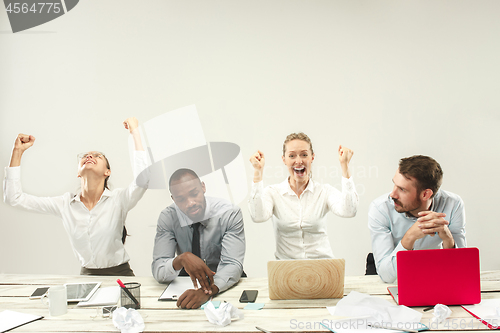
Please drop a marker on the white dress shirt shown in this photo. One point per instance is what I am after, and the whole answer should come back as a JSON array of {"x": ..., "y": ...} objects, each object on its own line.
[
  {"x": 300, "y": 223},
  {"x": 95, "y": 235}
]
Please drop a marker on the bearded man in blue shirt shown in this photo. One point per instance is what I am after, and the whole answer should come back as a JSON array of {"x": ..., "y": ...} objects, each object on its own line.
[{"x": 415, "y": 215}]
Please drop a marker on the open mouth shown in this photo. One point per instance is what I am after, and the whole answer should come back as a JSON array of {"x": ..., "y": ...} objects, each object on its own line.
[{"x": 300, "y": 171}]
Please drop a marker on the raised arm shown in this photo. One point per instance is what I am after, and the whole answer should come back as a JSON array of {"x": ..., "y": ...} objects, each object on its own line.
[
  {"x": 12, "y": 190},
  {"x": 138, "y": 187},
  {"x": 23, "y": 142},
  {"x": 345, "y": 155},
  {"x": 258, "y": 161},
  {"x": 132, "y": 124},
  {"x": 345, "y": 203},
  {"x": 260, "y": 203}
]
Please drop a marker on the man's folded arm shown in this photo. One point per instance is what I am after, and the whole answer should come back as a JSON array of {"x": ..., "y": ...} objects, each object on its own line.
[
  {"x": 457, "y": 225},
  {"x": 164, "y": 252},
  {"x": 383, "y": 248}
]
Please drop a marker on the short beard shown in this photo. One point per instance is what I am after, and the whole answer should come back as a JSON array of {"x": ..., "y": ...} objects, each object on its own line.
[{"x": 417, "y": 203}]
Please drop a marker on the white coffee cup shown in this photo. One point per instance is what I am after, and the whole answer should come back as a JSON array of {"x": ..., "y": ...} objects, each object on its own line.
[{"x": 57, "y": 300}]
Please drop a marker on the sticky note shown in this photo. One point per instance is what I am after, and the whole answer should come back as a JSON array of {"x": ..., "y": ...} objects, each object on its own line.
[
  {"x": 254, "y": 306},
  {"x": 215, "y": 303}
]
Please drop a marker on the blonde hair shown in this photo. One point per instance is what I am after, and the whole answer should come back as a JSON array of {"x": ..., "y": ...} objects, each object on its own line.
[{"x": 297, "y": 136}]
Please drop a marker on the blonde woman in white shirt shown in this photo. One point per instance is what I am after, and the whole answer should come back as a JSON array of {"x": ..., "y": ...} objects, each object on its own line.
[
  {"x": 95, "y": 217},
  {"x": 299, "y": 205}
]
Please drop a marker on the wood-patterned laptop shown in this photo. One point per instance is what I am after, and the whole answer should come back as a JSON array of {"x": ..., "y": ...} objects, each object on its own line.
[{"x": 306, "y": 278}]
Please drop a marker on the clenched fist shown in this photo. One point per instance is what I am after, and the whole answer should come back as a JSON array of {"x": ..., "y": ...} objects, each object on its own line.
[
  {"x": 131, "y": 123},
  {"x": 345, "y": 154},
  {"x": 24, "y": 141},
  {"x": 258, "y": 161}
]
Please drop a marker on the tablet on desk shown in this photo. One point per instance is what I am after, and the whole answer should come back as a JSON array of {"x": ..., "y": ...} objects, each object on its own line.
[{"x": 78, "y": 292}]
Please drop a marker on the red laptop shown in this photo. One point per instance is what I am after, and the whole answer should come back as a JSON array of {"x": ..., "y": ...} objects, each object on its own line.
[{"x": 443, "y": 276}]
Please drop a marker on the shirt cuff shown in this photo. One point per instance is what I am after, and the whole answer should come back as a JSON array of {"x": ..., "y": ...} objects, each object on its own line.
[
  {"x": 138, "y": 153},
  {"x": 398, "y": 248},
  {"x": 13, "y": 172},
  {"x": 220, "y": 283},
  {"x": 347, "y": 183},
  {"x": 140, "y": 160},
  {"x": 141, "y": 177},
  {"x": 169, "y": 268}
]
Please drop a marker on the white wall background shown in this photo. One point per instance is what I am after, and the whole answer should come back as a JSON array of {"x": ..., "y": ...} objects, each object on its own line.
[{"x": 388, "y": 79}]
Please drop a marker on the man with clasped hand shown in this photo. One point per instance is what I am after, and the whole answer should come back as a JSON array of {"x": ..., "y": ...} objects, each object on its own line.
[
  {"x": 415, "y": 215},
  {"x": 208, "y": 235}
]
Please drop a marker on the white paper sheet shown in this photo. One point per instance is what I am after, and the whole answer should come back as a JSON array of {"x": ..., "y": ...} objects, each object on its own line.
[
  {"x": 488, "y": 310},
  {"x": 176, "y": 288},
  {"x": 12, "y": 319}
]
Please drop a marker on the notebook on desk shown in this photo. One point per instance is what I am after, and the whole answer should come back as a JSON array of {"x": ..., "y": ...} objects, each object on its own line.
[
  {"x": 306, "y": 278},
  {"x": 443, "y": 276}
]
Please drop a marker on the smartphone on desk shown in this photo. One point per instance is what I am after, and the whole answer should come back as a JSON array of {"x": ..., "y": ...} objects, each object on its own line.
[
  {"x": 248, "y": 296},
  {"x": 39, "y": 292}
]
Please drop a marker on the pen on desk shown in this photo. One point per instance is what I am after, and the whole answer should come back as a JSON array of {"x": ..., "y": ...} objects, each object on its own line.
[
  {"x": 129, "y": 294},
  {"x": 262, "y": 330},
  {"x": 387, "y": 327},
  {"x": 428, "y": 309}
]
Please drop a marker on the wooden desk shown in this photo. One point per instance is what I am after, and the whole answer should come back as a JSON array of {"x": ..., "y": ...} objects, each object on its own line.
[{"x": 292, "y": 315}]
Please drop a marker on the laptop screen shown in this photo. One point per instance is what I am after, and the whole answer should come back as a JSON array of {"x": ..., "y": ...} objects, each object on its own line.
[{"x": 444, "y": 276}]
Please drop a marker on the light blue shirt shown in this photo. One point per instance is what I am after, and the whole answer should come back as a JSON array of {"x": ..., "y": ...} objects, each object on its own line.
[
  {"x": 222, "y": 242},
  {"x": 387, "y": 228}
]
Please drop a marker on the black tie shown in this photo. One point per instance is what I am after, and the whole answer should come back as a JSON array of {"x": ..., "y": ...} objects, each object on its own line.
[
  {"x": 196, "y": 240},
  {"x": 195, "y": 245}
]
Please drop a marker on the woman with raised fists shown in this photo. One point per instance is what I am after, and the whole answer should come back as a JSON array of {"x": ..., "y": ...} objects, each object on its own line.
[
  {"x": 299, "y": 205},
  {"x": 94, "y": 218}
]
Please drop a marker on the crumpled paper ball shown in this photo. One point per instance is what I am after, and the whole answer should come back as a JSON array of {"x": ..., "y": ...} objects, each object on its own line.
[
  {"x": 128, "y": 320},
  {"x": 223, "y": 315},
  {"x": 441, "y": 312}
]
